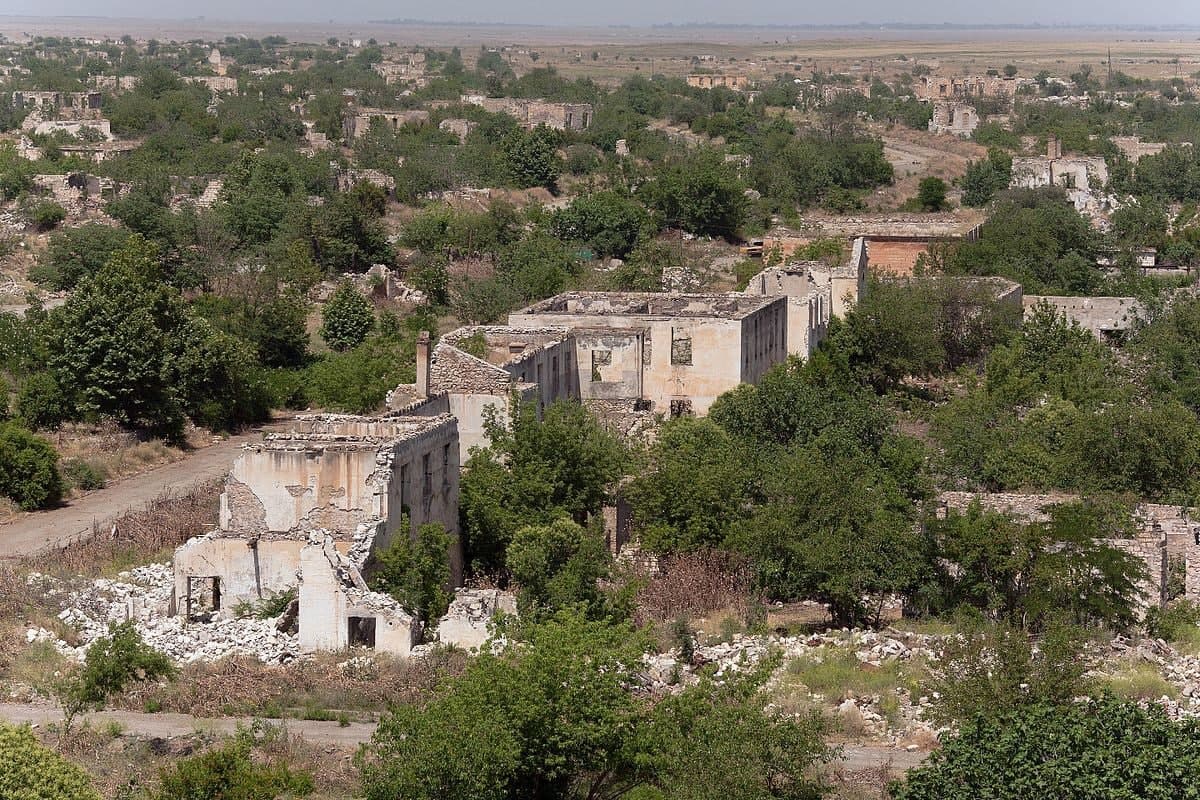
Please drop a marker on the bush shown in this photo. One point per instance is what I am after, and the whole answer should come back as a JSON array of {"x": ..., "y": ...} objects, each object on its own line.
[
  {"x": 348, "y": 318},
  {"x": 41, "y": 403},
  {"x": 46, "y": 215},
  {"x": 28, "y": 468},
  {"x": 112, "y": 663},
  {"x": 82, "y": 475},
  {"x": 1178, "y": 622},
  {"x": 1105, "y": 748},
  {"x": 29, "y": 771},
  {"x": 229, "y": 773}
]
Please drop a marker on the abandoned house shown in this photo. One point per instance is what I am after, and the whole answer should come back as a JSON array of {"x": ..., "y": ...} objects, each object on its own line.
[
  {"x": 675, "y": 352},
  {"x": 1083, "y": 173},
  {"x": 359, "y": 122},
  {"x": 894, "y": 242},
  {"x": 309, "y": 508},
  {"x": 959, "y": 119},
  {"x": 531, "y": 113},
  {"x": 737, "y": 83},
  {"x": 1107, "y": 318}
]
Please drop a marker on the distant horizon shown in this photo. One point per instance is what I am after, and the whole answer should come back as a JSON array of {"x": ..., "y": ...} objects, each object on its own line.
[{"x": 701, "y": 24}]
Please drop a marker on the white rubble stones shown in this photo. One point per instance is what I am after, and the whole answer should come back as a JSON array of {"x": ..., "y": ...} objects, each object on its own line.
[{"x": 143, "y": 595}]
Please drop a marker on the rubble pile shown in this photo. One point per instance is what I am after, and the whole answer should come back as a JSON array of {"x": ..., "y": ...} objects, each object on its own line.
[{"x": 143, "y": 595}]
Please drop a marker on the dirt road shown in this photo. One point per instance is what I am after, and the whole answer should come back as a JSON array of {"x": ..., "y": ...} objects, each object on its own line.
[
  {"x": 31, "y": 533},
  {"x": 855, "y": 758},
  {"x": 168, "y": 725}
]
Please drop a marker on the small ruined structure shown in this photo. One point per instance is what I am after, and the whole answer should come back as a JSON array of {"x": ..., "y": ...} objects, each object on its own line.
[
  {"x": 216, "y": 84},
  {"x": 958, "y": 119},
  {"x": 359, "y": 122},
  {"x": 1080, "y": 173},
  {"x": 531, "y": 113},
  {"x": 895, "y": 242},
  {"x": 737, "y": 83},
  {"x": 82, "y": 124},
  {"x": 459, "y": 127},
  {"x": 1106, "y": 318},
  {"x": 1167, "y": 538},
  {"x": 309, "y": 508},
  {"x": 1133, "y": 148}
]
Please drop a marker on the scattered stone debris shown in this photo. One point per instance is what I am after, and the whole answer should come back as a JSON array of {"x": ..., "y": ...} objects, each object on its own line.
[{"x": 143, "y": 595}]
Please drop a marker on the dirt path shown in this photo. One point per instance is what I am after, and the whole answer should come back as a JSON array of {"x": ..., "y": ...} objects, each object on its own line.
[
  {"x": 855, "y": 758},
  {"x": 31, "y": 533},
  {"x": 168, "y": 725}
]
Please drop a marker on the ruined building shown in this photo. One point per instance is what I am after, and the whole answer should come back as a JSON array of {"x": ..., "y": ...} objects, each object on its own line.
[
  {"x": 933, "y": 87},
  {"x": 709, "y": 81},
  {"x": 959, "y": 119},
  {"x": 1166, "y": 539},
  {"x": 531, "y": 113},
  {"x": 309, "y": 508},
  {"x": 359, "y": 122},
  {"x": 1081, "y": 173}
]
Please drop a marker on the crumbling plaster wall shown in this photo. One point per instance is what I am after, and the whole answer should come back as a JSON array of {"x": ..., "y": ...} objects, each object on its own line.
[
  {"x": 1100, "y": 315},
  {"x": 273, "y": 489},
  {"x": 610, "y": 363},
  {"x": 332, "y": 592}
]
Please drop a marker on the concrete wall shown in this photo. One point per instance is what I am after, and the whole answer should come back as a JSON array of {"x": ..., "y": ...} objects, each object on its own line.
[
  {"x": 272, "y": 489},
  {"x": 249, "y": 570},
  {"x": 618, "y": 379},
  {"x": 327, "y": 603},
  {"x": 764, "y": 340},
  {"x": 1103, "y": 316}
]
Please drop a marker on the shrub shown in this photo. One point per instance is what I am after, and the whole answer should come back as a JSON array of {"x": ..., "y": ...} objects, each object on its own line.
[
  {"x": 29, "y": 771},
  {"x": 28, "y": 468},
  {"x": 46, "y": 215},
  {"x": 112, "y": 663},
  {"x": 229, "y": 773},
  {"x": 41, "y": 402},
  {"x": 347, "y": 318},
  {"x": 82, "y": 475},
  {"x": 1105, "y": 748}
]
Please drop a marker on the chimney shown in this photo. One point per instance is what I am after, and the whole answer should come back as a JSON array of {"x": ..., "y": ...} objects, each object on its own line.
[
  {"x": 423, "y": 359},
  {"x": 1053, "y": 147}
]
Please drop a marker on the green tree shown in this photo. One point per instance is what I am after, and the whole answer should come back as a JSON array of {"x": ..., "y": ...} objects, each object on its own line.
[
  {"x": 531, "y": 157},
  {"x": 1105, "y": 747},
  {"x": 692, "y": 488},
  {"x": 28, "y": 468},
  {"x": 607, "y": 222},
  {"x": 74, "y": 253},
  {"x": 931, "y": 194},
  {"x": 560, "y": 565},
  {"x": 700, "y": 193},
  {"x": 347, "y": 318},
  {"x": 415, "y": 570},
  {"x": 31, "y": 771},
  {"x": 115, "y": 342},
  {"x": 533, "y": 471}
]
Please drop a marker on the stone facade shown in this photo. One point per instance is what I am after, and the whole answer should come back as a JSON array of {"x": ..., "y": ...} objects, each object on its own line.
[
  {"x": 1081, "y": 173},
  {"x": 959, "y": 119},
  {"x": 1166, "y": 540},
  {"x": 708, "y": 81},
  {"x": 933, "y": 87},
  {"x": 359, "y": 122}
]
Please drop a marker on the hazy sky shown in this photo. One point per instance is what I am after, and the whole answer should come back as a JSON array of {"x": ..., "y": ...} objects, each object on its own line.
[{"x": 635, "y": 12}]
